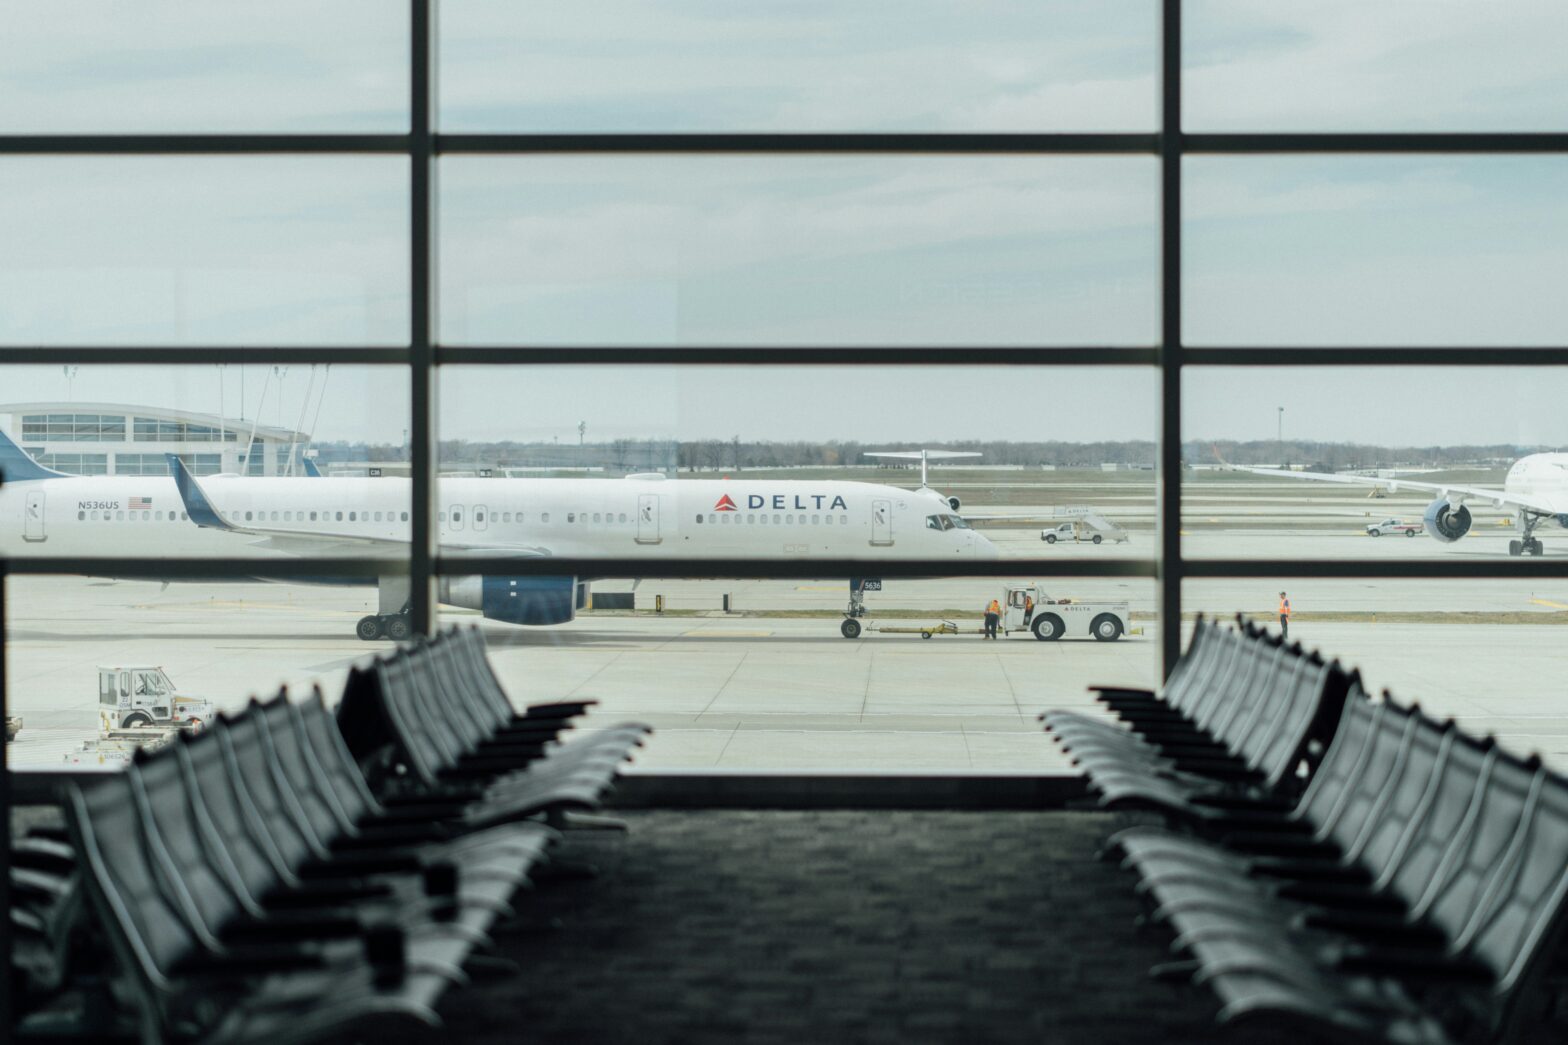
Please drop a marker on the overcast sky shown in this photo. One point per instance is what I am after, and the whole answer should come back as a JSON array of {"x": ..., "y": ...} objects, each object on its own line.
[{"x": 752, "y": 250}]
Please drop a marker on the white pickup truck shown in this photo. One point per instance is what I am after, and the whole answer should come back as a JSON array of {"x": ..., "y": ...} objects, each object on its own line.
[{"x": 1394, "y": 526}]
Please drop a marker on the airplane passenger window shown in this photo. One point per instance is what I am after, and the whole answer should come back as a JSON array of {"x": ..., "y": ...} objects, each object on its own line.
[
  {"x": 351, "y": 517},
  {"x": 80, "y": 516},
  {"x": 815, "y": 519},
  {"x": 776, "y": 520},
  {"x": 312, "y": 516},
  {"x": 184, "y": 517},
  {"x": 699, "y": 517},
  {"x": 596, "y": 517},
  {"x": 622, "y": 518},
  {"x": 763, "y": 519},
  {"x": 479, "y": 517},
  {"x": 571, "y": 517},
  {"x": 119, "y": 516},
  {"x": 340, "y": 517},
  {"x": 843, "y": 520},
  {"x": 828, "y": 519},
  {"x": 545, "y": 517},
  {"x": 274, "y": 516},
  {"x": 405, "y": 517}
]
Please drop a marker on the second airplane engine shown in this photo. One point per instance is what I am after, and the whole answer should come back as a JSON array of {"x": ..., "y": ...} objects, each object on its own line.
[
  {"x": 515, "y": 600},
  {"x": 1446, "y": 522},
  {"x": 954, "y": 503}
]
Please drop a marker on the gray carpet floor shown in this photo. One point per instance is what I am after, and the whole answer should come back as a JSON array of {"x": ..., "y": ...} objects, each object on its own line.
[{"x": 836, "y": 926}]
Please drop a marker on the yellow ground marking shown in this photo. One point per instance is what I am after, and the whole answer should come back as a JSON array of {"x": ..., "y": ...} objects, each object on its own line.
[{"x": 1549, "y": 602}]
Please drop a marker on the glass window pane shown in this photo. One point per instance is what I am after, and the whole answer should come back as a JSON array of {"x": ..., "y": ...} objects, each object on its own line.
[
  {"x": 346, "y": 416},
  {"x": 1375, "y": 464},
  {"x": 1473, "y": 650},
  {"x": 1346, "y": 65},
  {"x": 622, "y": 462},
  {"x": 1380, "y": 250},
  {"x": 102, "y": 66},
  {"x": 620, "y": 65},
  {"x": 705, "y": 250},
  {"x": 204, "y": 250}
]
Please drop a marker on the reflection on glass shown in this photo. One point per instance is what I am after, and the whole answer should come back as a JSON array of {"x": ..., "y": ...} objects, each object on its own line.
[
  {"x": 617, "y": 65},
  {"x": 1385, "y": 464},
  {"x": 163, "y": 66},
  {"x": 797, "y": 250},
  {"x": 1477, "y": 650},
  {"x": 90, "y": 453},
  {"x": 204, "y": 250},
  {"x": 1342, "y": 65},
  {"x": 1375, "y": 251}
]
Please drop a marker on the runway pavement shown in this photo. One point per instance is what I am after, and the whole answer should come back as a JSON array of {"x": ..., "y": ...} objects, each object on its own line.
[{"x": 756, "y": 690}]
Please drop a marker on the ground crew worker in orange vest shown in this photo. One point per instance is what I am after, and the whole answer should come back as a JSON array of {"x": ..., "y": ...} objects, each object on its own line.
[
  {"x": 993, "y": 617},
  {"x": 1284, "y": 615}
]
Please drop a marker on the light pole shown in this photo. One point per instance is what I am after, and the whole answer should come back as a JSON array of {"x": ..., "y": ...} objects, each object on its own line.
[
  {"x": 1279, "y": 437},
  {"x": 70, "y": 377}
]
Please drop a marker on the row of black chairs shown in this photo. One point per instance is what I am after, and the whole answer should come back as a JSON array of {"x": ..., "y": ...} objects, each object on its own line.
[
  {"x": 1414, "y": 890},
  {"x": 249, "y": 884},
  {"x": 1242, "y": 721}
]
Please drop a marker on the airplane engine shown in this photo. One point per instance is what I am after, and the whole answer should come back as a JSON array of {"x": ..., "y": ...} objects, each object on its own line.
[
  {"x": 954, "y": 503},
  {"x": 515, "y": 600},
  {"x": 1446, "y": 522}
]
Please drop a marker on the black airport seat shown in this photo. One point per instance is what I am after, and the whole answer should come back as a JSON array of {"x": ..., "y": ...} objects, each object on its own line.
[
  {"x": 1423, "y": 899},
  {"x": 431, "y": 739},
  {"x": 184, "y": 983},
  {"x": 1237, "y": 739}
]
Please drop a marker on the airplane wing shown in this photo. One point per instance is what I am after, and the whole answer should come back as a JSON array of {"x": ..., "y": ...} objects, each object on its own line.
[
  {"x": 1454, "y": 493},
  {"x": 202, "y": 512}
]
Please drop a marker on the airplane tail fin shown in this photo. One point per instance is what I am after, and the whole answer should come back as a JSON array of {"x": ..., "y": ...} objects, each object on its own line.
[
  {"x": 311, "y": 470},
  {"x": 17, "y": 467}
]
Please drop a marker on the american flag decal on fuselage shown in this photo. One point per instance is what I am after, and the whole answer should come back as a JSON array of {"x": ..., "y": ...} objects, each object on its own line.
[{"x": 140, "y": 502}]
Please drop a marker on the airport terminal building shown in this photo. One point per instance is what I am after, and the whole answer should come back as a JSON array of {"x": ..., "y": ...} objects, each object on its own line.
[{"x": 124, "y": 439}]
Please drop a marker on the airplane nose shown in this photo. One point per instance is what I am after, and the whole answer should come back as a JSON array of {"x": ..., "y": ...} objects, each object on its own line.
[{"x": 983, "y": 548}]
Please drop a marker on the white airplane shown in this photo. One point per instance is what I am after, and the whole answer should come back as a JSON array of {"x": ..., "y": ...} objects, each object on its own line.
[
  {"x": 1536, "y": 487},
  {"x": 638, "y": 517}
]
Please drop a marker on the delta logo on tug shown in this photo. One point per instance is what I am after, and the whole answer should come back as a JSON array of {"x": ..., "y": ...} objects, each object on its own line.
[{"x": 803, "y": 502}]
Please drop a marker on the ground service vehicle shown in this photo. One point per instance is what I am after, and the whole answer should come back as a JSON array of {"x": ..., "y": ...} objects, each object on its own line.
[
  {"x": 13, "y": 726},
  {"x": 1394, "y": 526},
  {"x": 1025, "y": 608},
  {"x": 142, "y": 695}
]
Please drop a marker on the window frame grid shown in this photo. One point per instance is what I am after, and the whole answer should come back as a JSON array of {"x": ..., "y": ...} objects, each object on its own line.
[{"x": 423, "y": 356}]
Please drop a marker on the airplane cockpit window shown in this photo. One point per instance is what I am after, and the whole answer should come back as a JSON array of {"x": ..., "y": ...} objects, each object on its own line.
[
  {"x": 960, "y": 523},
  {"x": 939, "y": 522}
]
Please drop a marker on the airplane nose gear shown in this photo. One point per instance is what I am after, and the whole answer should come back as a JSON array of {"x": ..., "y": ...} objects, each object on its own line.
[{"x": 1528, "y": 545}]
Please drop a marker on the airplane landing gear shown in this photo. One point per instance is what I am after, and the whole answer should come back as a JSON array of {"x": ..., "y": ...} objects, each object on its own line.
[
  {"x": 392, "y": 626},
  {"x": 1529, "y": 545}
]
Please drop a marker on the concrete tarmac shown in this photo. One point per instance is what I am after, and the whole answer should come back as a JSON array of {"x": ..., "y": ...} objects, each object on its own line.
[{"x": 762, "y": 691}]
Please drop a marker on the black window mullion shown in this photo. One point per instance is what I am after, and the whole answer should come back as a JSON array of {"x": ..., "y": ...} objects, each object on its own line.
[
  {"x": 1168, "y": 521},
  {"x": 421, "y": 340}
]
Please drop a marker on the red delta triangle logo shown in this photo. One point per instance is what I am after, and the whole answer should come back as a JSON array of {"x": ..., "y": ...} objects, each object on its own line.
[{"x": 725, "y": 505}]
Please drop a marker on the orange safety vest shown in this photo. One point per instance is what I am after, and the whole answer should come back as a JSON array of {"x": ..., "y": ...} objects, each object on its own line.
[
  {"x": 1284, "y": 607},
  {"x": 995, "y": 607}
]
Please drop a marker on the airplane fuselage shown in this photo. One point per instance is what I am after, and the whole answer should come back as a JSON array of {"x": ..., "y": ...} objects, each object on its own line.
[{"x": 565, "y": 518}]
